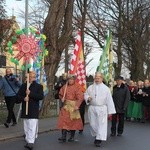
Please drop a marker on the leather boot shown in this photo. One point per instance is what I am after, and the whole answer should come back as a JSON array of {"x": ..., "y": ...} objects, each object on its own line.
[
  {"x": 71, "y": 139},
  {"x": 97, "y": 143},
  {"x": 64, "y": 134}
]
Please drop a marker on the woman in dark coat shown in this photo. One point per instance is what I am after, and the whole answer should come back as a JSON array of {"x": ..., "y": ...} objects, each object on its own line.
[
  {"x": 137, "y": 112},
  {"x": 132, "y": 89}
]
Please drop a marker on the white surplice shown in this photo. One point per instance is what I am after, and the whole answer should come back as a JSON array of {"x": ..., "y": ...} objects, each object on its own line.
[{"x": 99, "y": 108}]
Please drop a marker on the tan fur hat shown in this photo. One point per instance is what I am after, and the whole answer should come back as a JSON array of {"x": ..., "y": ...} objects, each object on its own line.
[{"x": 71, "y": 76}]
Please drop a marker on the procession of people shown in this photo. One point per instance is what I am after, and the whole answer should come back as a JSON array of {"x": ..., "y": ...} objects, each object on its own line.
[{"x": 127, "y": 102}]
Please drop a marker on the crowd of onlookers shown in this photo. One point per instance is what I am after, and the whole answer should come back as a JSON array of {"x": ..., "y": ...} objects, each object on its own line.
[{"x": 139, "y": 105}]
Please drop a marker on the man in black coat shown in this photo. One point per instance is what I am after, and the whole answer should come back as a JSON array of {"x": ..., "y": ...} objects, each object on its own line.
[
  {"x": 121, "y": 97},
  {"x": 30, "y": 120}
]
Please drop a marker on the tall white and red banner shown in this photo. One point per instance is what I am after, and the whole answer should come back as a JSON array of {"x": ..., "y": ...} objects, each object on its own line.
[{"x": 78, "y": 63}]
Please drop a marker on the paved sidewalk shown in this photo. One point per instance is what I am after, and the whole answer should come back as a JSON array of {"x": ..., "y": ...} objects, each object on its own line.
[{"x": 45, "y": 125}]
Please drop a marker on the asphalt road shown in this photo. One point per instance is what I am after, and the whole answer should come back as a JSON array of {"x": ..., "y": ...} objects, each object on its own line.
[{"x": 136, "y": 137}]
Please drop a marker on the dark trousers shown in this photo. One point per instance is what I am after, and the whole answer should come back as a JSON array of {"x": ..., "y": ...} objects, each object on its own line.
[
  {"x": 146, "y": 112},
  {"x": 120, "y": 127},
  {"x": 64, "y": 133},
  {"x": 82, "y": 111},
  {"x": 72, "y": 133},
  {"x": 10, "y": 102}
]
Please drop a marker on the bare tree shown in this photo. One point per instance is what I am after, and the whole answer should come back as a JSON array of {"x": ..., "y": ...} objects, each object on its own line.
[
  {"x": 136, "y": 37},
  {"x": 2, "y": 27},
  {"x": 2, "y": 9},
  {"x": 80, "y": 22},
  {"x": 129, "y": 20},
  {"x": 58, "y": 29},
  {"x": 98, "y": 17},
  {"x": 37, "y": 13}
]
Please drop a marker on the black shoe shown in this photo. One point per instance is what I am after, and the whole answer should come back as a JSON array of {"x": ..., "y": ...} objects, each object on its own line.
[
  {"x": 71, "y": 139},
  {"x": 97, "y": 143},
  {"x": 119, "y": 134},
  {"x": 113, "y": 134},
  {"x": 80, "y": 132},
  {"x": 62, "y": 139},
  {"x": 142, "y": 120},
  {"x": 128, "y": 119},
  {"x": 6, "y": 125},
  {"x": 14, "y": 123},
  {"x": 29, "y": 146}
]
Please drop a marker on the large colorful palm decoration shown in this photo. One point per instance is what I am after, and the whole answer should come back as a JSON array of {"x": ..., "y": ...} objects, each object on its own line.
[
  {"x": 28, "y": 44},
  {"x": 25, "y": 48}
]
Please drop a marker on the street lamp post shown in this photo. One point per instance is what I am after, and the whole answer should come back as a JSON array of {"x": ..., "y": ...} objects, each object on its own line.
[
  {"x": 26, "y": 13},
  {"x": 26, "y": 28},
  {"x": 27, "y": 70},
  {"x": 26, "y": 24}
]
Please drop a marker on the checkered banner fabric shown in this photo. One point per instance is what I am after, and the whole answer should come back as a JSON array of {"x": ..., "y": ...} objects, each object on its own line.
[
  {"x": 81, "y": 74},
  {"x": 77, "y": 62}
]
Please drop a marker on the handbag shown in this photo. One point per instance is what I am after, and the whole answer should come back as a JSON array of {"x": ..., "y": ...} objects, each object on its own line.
[{"x": 17, "y": 101}]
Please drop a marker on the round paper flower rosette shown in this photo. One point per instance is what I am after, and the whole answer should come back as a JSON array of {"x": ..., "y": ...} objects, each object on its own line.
[{"x": 26, "y": 45}]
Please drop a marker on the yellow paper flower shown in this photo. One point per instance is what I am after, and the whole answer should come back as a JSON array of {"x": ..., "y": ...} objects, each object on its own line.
[{"x": 43, "y": 37}]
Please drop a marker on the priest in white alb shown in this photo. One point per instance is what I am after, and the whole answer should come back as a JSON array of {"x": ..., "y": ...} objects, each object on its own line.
[{"x": 99, "y": 99}]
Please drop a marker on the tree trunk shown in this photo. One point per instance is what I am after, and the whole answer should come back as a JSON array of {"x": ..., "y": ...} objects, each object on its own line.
[
  {"x": 137, "y": 70},
  {"x": 53, "y": 60},
  {"x": 58, "y": 29},
  {"x": 66, "y": 59},
  {"x": 119, "y": 50}
]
